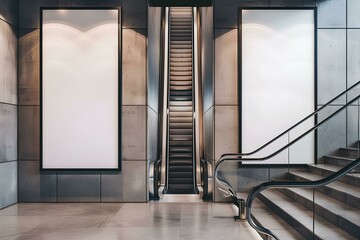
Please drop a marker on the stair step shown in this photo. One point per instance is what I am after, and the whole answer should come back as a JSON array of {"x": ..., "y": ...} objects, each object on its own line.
[
  {"x": 185, "y": 161},
  {"x": 180, "y": 125},
  {"x": 181, "y": 55},
  {"x": 181, "y": 119},
  {"x": 180, "y": 98},
  {"x": 176, "y": 60},
  {"x": 181, "y": 156},
  {"x": 181, "y": 93},
  {"x": 181, "y": 73},
  {"x": 180, "y": 137},
  {"x": 182, "y": 103},
  {"x": 180, "y": 114},
  {"x": 343, "y": 192},
  {"x": 182, "y": 189},
  {"x": 353, "y": 153},
  {"x": 183, "y": 131},
  {"x": 334, "y": 211},
  {"x": 174, "y": 143},
  {"x": 180, "y": 168},
  {"x": 180, "y": 69},
  {"x": 300, "y": 218},
  {"x": 338, "y": 161},
  {"x": 180, "y": 64},
  {"x": 186, "y": 43},
  {"x": 180, "y": 175},
  {"x": 327, "y": 169},
  {"x": 180, "y": 51},
  {"x": 266, "y": 217},
  {"x": 180, "y": 78},
  {"x": 181, "y": 150},
  {"x": 180, "y": 180},
  {"x": 180, "y": 108},
  {"x": 180, "y": 83},
  {"x": 181, "y": 46},
  {"x": 181, "y": 88}
]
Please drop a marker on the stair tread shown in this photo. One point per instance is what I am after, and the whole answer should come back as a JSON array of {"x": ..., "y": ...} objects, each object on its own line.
[
  {"x": 336, "y": 207},
  {"x": 340, "y": 157},
  {"x": 333, "y": 168},
  {"x": 323, "y": 228},
  {"x": 339, "y": 186},
  {"x": 266, "y": 217}
]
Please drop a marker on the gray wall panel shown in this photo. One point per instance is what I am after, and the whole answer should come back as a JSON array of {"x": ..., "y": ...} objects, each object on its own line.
[
  {"x": 134, "y": 67},
  {"x": 8, "y": 132},
  {"x": 129, "y": 185},
  {"x": 134, "y": 132},
  {"x": 353, "y": 58},
  {"x": 352, "y": 127},
  {"x": 8, "y": 183},
  {"x": 36, "y": 186},
  {"x": 29, "y": 65},
  {"x": 331, "y": 64},
  {"x": 29, "y": 133},
  {"x": 226, "y": 130},
  {"x": 353, "y": 13},
  {"x": 331, "y": 135},
  {"x": 78, "y": 187},
  {"x": 226, "y": 62},
  {"x": 8, "y": 101},
  {"x": 331, "y": 13},
  {"x": 8, "y": 63}
]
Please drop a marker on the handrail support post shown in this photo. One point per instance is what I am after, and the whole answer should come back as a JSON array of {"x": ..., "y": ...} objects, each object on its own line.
[{"x": 240, "y": 204}]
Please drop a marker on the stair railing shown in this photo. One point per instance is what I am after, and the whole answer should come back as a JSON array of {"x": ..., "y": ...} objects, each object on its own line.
[
  {"x": 291, "y": 184},
  {"x": 224, "y": 186}
]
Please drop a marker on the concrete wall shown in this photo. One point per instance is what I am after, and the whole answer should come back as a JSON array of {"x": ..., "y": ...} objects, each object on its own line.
[
  {"x": 129, "y": 185},
  {"x": 338, "y": 68},
  {"x": 8, "y": 103}
]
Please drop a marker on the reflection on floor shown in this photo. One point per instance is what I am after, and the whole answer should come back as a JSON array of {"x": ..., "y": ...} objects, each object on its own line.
[{"x": 155, "y": 220}]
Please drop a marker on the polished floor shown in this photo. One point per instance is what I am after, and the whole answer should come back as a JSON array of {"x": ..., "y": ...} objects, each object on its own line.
[{"x": 133, "y": 221}]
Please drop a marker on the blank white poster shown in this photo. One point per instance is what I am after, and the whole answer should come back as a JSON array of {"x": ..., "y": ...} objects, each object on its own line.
[
  {"x": 80, "y": 89},
  {"x": 277, "y": 79}
]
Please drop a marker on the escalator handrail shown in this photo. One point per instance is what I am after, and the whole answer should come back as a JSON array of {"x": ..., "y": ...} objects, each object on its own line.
[
  {"x": 291, "y": 128},
  {"x": 291, "y": 184}
]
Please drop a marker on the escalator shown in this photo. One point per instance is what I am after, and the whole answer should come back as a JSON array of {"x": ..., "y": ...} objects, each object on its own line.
[{"x": 180, "y": 146}]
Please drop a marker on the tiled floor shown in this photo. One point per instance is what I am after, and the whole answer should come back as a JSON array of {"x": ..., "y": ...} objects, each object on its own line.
[{"x": 154, "y": 220}]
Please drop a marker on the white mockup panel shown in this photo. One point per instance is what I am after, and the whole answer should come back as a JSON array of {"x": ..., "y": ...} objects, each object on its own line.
[
  {"x": 80, "y": 89},
  {"x": 277, "y": 81}
]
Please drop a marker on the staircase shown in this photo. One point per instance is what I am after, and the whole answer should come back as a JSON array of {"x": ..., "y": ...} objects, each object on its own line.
[
  {"x": 337, "y": 205},
  {"x": 181, "y": 129}
]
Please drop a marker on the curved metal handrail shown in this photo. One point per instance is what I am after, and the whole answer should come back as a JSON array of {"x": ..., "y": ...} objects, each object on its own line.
[
  {"x": 290, "y": 128},
  {"x": 306, "y": 184},
  {"x": 226, "y": 187}
]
